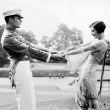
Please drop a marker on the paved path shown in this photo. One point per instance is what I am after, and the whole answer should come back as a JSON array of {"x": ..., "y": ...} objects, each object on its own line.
[{"x": 51, "y": 94}]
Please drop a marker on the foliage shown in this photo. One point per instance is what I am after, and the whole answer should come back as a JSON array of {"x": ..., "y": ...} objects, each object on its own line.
[
  {"x": 108, "y": 58},
  {"x": 65, "y": 37},
  {"x": 29, "y": 36},
  {"x": 107, "y": 61},
  {"x": 62, "y": 39},
  {"x": 3, "y": 56},
  {"x": 46, "y": 41}
]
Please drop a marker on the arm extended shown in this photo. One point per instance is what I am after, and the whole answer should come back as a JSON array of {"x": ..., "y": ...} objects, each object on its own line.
[
  {"x": 82, "y": 48},
  {"x": 14, "y": 46}
]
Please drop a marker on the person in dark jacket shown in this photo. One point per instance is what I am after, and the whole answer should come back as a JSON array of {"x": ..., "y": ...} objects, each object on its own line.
[{"x": 17, "y": 48}]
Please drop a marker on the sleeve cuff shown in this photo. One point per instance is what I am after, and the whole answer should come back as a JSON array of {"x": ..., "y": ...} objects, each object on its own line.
[{"x": 48, "y": 58}]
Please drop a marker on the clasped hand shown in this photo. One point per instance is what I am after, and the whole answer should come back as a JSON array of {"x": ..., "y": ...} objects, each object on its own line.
[{"x": 58, "y": 53}]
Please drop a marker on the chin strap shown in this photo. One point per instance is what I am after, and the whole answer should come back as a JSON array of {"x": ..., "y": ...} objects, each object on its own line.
[{"x": 102, "y": 74}]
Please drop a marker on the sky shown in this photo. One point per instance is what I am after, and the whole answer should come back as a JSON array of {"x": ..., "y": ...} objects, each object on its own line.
[{"x": 43, "y": 17}]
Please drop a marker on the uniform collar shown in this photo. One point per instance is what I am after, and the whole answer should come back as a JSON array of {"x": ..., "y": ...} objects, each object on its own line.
[{"x": 10, "y": 28}]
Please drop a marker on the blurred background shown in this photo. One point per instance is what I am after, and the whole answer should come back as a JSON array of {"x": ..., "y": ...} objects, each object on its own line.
[{"x": 56, "y": 25}]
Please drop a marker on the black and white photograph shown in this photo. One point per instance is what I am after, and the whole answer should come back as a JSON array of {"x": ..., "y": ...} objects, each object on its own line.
[{"x": 54, "y": 55}]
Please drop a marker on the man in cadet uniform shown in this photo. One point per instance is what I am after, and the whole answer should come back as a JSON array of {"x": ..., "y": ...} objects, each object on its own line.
[{"x": 17, "y": 48}]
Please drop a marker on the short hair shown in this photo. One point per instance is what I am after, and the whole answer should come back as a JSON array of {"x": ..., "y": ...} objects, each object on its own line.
[
  {"x": 99, "y": 26},
  {"x": 7, "y": 18}
]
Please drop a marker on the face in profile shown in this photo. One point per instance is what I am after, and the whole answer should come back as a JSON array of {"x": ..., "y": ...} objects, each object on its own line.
[
  {"x": 97, "y": 29},
  {"x": 16, "y": 21},
  {"x": 94, "y": 32}
]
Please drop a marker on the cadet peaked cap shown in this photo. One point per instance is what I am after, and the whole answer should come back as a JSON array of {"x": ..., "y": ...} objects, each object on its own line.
[{"x": 13, "y": 12}]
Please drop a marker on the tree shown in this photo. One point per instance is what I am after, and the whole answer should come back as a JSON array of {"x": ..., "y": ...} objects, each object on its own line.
[
  {"x": 108, "y": 55},
  {"x": 62, "y": 39},
  {"x": 3, "y": 56},
  {"x": 29, "y": 36},
  {"x": 65, "y": 37},
  {"x": 107, "y": 60},
  {"x": 46, "y": 41}
]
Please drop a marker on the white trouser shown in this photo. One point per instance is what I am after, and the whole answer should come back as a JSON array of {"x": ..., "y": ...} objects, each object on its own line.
[{"x": 25, "y": 92}]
